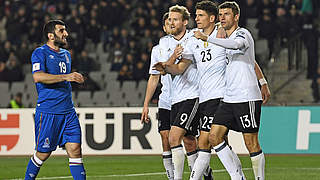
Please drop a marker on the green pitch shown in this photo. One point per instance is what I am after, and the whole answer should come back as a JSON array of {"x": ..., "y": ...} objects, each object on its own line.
[{"x": 282, "y": 167}]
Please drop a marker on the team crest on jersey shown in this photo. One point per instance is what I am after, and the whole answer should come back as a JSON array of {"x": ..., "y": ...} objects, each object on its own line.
[
  {"x": 51, "y": 56},
  {"x": 46, "y": 143},
  {"x": 67, "y": 58},
  {"x": 205, "y": 44}
]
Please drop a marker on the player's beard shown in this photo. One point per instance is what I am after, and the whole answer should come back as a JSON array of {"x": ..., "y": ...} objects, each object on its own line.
[
  {"x": 177, "y": 30},
  {"x": 59, "y": 42}
]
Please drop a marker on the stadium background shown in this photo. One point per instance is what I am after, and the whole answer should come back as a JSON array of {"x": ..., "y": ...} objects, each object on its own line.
[{"x": 110, "y": 42}]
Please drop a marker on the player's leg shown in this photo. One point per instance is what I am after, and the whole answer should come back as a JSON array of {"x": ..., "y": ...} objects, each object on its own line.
[
  {"x": 207, "y": 110},
  {"x": 46, "y": 141},
  {"x": 256, "y": 154},
  {"x": 221, "y": 124},
  {"x": 175, "y": 137},
  {"x": 190, "y": 145},
  {"x": 35, "y": 163},
  {"x": 204, "y": 156},
  {"x": 164, "y": 128},
  {"x": 235, "y": 157},
  {"x": 72, "y": 142},
  {"x": 183, "y": 115},
  {"x": 248, "y": 116}
]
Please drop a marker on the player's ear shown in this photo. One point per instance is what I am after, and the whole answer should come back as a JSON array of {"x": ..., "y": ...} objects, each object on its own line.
[
  {"x": 212, "y": 18},
  {"x": 236, "y": 17},
  {"x": 185, "y": 22},
  {"x": 50, "y": 36}
]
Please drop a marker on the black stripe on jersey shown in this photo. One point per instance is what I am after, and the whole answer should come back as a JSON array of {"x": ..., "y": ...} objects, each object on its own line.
[{"x": 241, "y": 36}]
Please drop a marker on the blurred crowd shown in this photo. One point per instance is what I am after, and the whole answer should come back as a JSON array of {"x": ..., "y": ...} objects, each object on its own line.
[{"x": 127, "y": 29}]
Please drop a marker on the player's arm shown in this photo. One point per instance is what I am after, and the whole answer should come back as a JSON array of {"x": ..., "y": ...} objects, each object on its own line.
[
  {"x": 265, "y": 92},
  {"x": 226, "y": 43},
  {"x": 151, "y": 87},
  {"x": 42, "y": 77},
  {"x": 177, "y": 68}
]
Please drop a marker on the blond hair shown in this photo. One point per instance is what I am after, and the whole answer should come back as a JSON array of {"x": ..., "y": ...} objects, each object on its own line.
[{"x": 182, "y": 10}]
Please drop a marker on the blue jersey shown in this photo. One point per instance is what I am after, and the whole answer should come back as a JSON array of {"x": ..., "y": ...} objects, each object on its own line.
[{"x": 53, "y": 98}]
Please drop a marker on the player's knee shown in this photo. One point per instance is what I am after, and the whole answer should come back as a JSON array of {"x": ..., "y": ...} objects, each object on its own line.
[
  {"x": 190, "y": 143},
  {"x": 252, "y": 145},
  {"x": 165, "y": 140},
  {"x": 74, "y": 151},
  {"x": 214, "y": 139},
  {"x": 43, "y": 156}
]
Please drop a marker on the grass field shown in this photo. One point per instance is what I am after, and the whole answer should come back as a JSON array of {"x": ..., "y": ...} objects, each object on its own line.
[{"x": 150, "y": 168}]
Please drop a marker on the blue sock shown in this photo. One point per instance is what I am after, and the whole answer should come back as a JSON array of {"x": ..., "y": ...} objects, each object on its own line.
[
  {"x": 77, "y": 169},
  {"x": 33, "y": 168}
]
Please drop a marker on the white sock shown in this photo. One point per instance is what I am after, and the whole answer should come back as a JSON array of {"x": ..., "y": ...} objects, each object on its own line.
[
  {"x": 178, "y": 161},
  {"x": 36, "y": 161},
  {"x": 191, "y": 157},
  {"x": 200, "y": 165},
  {"x": 167, "y": 163},
  {"x": 237, "y": 161},
  {"x": 258, "y": 164},
  {"x": 225, "y": 155}
]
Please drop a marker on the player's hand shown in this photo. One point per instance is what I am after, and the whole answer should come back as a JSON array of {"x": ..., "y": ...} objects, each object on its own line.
[
  {"x": 74, "y": 77},
  {"x": 200, "y": 35},
  {"x": 221, "y": 32},
  {"x": 178, "y": 51},
  {"x": 144, "y": 115},
  {"x": 159, "y": 66},
  {"x": 265, "y": 92}
]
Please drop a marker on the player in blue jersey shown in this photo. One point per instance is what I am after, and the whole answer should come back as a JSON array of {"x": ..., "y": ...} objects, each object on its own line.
[{"x": 56, "y": 122}]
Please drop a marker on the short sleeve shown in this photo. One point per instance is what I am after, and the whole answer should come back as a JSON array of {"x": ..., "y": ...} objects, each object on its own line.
[
  {"x": 242, "y": 37},
  {"x": 155, "y": 54},
  {"x": 38, "y": 60}
]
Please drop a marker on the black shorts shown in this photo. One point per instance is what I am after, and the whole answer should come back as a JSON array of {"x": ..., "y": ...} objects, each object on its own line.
[
  {"x": 241, "y": 117},
  {"x": 185, "y": 115},
  {"x": 207, "y": 110},
  {"x": 163, "y": 119}
]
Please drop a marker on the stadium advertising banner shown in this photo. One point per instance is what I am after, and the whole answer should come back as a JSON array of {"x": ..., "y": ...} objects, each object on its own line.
[
  {"x": 105, "y": 131},
  {"x": 118, "y": 131},
  {"x": 288, "y": 130}
]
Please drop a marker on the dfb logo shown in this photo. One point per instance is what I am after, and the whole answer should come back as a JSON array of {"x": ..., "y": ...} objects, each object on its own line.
[{"x": 9, "y": 140}]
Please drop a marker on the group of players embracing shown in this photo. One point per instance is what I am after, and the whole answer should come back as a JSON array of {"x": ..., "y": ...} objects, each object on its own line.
[{"x": 211, "y": 84}]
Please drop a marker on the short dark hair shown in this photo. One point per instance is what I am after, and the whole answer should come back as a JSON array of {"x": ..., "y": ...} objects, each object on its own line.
[
  {"x": 164, "y": 18},
  {"x": 231, "y": 4},
  {"x": 209, "y": 7},
  {"x": 50, "y": 26}
]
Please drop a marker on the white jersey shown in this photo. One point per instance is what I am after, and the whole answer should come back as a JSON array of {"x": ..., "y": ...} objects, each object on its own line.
[
  {"x": 185, "y": 85},
  {"x": 160, "y": 55},
  {"x": 211, "y": 64},
  {"x": 241, "y": 80}
]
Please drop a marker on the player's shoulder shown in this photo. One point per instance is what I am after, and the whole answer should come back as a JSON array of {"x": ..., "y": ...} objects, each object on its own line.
[
  {"x": 165, "y": 38},
  {"x": 40, "y": 50},
  {"x": 155, "y": 48},
  {"x": 242, "y": 31}
]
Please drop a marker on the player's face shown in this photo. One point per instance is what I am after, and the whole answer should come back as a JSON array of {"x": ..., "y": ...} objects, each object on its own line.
[
  {"x": 166, "y": 27},
  {"x": 227, "y": 18},
  {"x": 203, "y": 20},
  {"x": 176, "y": 22},
  {"x": 60, "y": 35}
]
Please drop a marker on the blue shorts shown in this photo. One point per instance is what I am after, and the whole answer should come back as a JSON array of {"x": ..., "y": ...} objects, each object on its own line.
[{"x": 52, "y": 130}]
